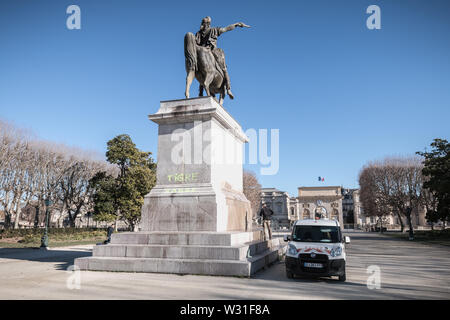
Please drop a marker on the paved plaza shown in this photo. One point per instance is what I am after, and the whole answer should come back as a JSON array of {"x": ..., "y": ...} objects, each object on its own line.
[{"x": 408, "y": 271}]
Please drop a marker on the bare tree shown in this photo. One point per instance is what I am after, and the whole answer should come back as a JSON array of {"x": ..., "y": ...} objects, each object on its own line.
[
  {"x": 374, "y": 192},
  {"x": 252, "y": 190},
  {"x": 76, "y": 191},
  {"x": 13, "y": 171},
  {"x": 393, "y": 185},
  {"x": 32, "y": 171}
]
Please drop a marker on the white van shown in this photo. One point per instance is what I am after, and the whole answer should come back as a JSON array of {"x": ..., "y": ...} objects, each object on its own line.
[{"x": 316, "y": 247}]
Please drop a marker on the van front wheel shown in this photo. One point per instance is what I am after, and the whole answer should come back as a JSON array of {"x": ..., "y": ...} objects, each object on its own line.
[
  {"x": 289, "y": 274},
  {"x": 342, "y": 278}
]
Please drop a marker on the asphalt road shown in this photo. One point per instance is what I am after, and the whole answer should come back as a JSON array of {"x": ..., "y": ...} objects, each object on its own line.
[{"x": 408, "y": 271}]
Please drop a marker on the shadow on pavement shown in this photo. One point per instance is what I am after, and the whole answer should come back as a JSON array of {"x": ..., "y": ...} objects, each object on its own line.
[
  {"x": 378, "y": 237},
  {"x": 64, "y": 258},
  {"x": 264, "y": 274}
]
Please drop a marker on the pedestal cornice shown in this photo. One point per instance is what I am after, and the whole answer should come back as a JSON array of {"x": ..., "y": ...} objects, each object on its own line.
[{"x": 197, "y": 109}]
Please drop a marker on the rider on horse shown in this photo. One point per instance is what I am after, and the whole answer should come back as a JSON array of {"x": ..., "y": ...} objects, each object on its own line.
[{"x": 207, "y": 37}]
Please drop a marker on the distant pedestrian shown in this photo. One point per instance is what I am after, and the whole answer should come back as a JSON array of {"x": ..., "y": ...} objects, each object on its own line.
[
  {"x": 110, "y": 231},
  {"x": 266, "y": 213}
]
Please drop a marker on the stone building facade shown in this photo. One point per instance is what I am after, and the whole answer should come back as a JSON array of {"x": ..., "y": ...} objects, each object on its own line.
[
  {"x": 331, "y": 202},
  {"x": 323, "y": 201},
  {"x": 279, "y": 202},
  {"x": 326, "y": 201},
  {"x": 391, "y": 221},
  {"x": 351, "y": 207},
  {"x": 293, "y": 209}
]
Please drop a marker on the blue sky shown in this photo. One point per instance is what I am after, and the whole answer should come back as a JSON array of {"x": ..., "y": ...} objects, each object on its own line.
[{"x": 340, "y": 94}]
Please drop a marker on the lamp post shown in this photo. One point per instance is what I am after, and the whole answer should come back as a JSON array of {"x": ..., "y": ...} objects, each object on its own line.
[{"x": 44, "y": 240}]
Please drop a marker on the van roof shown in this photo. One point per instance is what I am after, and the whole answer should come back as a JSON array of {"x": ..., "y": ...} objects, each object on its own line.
[{"x": 320, "y": 222}]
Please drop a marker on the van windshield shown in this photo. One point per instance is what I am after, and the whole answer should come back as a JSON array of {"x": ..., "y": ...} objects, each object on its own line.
[{"x": 316, "y": 234}]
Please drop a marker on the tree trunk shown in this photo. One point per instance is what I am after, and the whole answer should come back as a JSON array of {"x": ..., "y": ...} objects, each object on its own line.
[
  {"x": 50, "y": 217},
  {"x": 15, "y": 204},
  {"x": 411, "y": 229},
  {"x": 71, "y": 220},
  {"x": 6, "y": 210},
  {"x": 73, "y": 217},
  {"x": 17, "y": 220},
  {"x": 36, "y": 217},
  {"x": 61, "y": 221},
  {"x": 7, "y": 220},
  {"x": 402, "y": 227}
]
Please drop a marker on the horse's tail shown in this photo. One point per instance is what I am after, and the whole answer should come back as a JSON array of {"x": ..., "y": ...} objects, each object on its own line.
[{"x": 190, "y": 52}]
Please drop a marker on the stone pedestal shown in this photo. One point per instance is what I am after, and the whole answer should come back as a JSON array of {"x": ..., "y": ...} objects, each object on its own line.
[
  {"x": 199, "y": 174},
  {"x": 196, "y": 220}
]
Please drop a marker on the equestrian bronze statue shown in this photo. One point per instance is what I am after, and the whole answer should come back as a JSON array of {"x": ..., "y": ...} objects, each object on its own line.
[{"x": 206, "y": 62}]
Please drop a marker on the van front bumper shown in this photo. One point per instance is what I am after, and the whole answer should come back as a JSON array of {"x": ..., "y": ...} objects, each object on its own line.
[{"x": 335, "y": 267}]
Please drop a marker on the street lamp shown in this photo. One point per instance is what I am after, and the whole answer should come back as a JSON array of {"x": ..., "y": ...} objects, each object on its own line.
[{"x": 44, "y": 239}]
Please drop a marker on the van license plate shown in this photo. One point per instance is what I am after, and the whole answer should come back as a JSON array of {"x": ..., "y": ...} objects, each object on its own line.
[{"x": 313, "y": 265}]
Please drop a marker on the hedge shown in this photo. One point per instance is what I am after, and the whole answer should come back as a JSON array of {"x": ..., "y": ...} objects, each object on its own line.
[{"x": 33, "y": 232}]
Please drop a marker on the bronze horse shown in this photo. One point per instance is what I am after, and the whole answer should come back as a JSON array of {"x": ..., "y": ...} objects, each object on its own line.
[{"x": 201, "y": 64}]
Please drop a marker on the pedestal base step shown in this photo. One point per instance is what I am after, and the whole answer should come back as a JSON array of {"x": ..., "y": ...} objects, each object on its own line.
[
  {"x": 185, "y": 238},
  {"x": 207, "y": 253},
  {"x": 237, "y": 252},
  {"x": 183, "y": 266}
]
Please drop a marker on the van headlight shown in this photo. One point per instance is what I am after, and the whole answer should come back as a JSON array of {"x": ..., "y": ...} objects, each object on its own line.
[
  {"x": 336, "y": 252},
  {"x": 292, "y": 250}
]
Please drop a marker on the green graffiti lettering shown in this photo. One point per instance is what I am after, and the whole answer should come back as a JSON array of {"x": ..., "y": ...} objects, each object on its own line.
[{"x": 181, "y": 177}]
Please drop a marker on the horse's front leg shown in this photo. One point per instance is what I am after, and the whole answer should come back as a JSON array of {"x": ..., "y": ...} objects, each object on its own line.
[
  {"x": 208, "y": 79},
  {"x": 189, "y": 78}
]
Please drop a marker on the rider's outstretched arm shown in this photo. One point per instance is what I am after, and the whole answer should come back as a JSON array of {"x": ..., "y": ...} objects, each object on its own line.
[{"x": 232, "y": 27}]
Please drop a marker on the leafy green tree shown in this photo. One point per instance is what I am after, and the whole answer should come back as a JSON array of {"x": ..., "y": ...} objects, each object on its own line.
[
  {"x": 437, "y": 172},
  {"x": 432, "y": 217},
  {"x": 122, "y": 196},
  {"x": 105, "y": 198}
]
